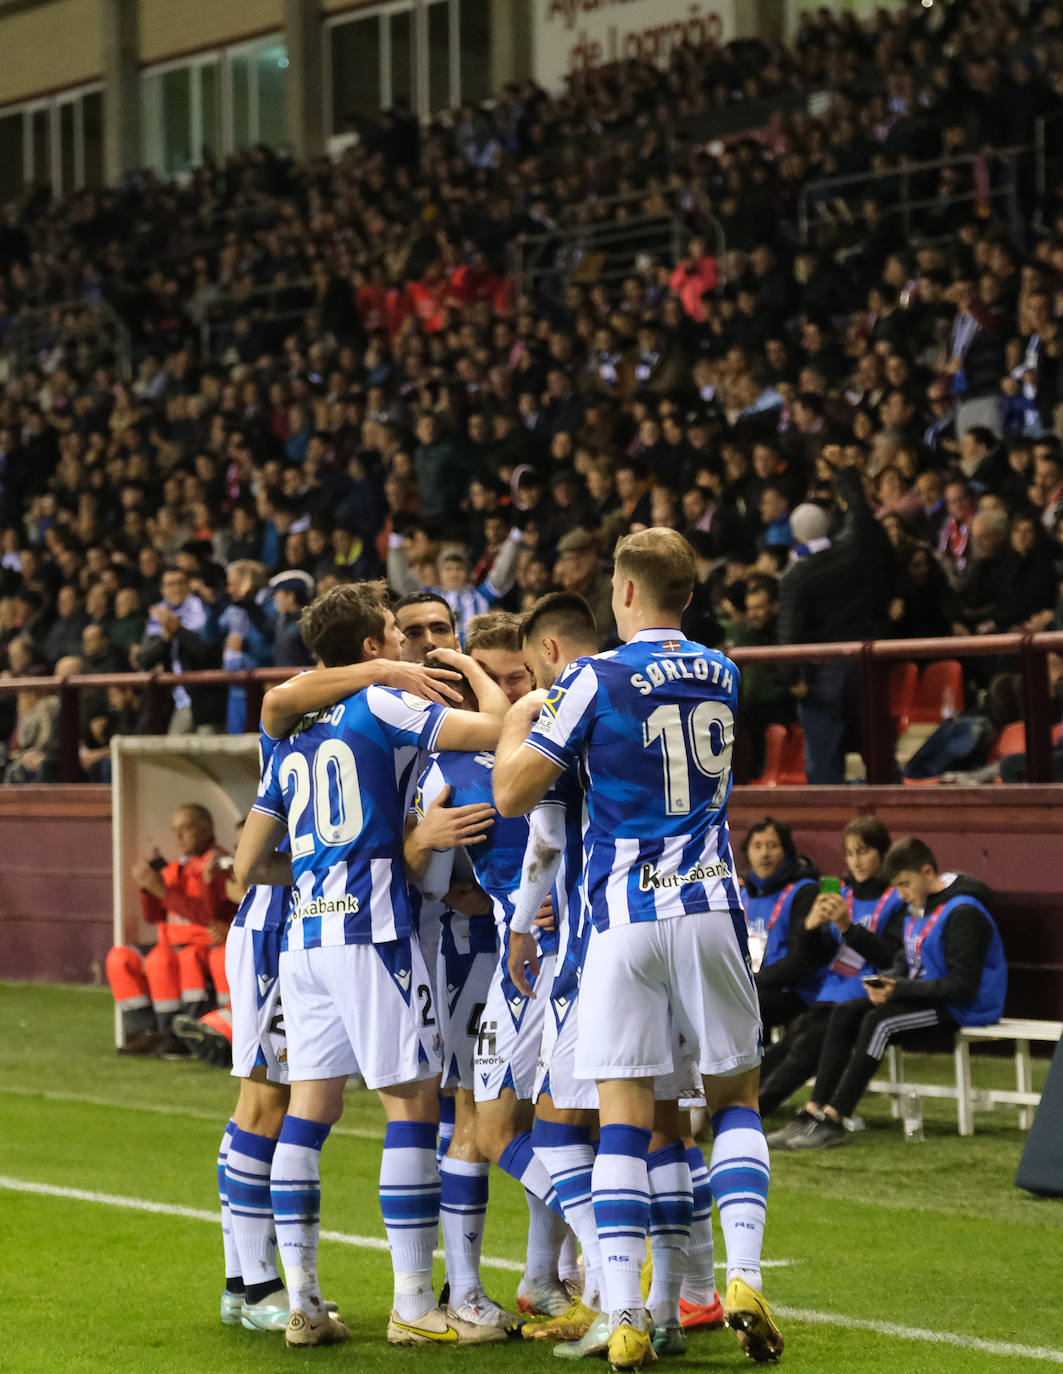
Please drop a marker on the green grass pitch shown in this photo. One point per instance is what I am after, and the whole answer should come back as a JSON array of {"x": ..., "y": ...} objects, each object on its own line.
[{"x": 886, "y": 1244}]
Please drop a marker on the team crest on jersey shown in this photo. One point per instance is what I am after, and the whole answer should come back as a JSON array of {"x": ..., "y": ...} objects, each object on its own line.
[{"x": 553, "y": 699}]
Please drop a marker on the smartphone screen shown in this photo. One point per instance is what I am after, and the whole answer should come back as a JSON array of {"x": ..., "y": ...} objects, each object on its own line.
[{"x": 830, "y": 885}]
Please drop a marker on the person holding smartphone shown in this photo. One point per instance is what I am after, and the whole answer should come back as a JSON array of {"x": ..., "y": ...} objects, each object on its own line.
[
  {"x": 788, "y": 958},
  {"x": 950, "y": 972},
  {"x": 866, "y": 920}
]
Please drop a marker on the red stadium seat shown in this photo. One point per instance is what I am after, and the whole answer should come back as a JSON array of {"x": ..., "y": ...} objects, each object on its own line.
[
  {"x": 937, "y": 683},
  {"x": 774, "y": 743},
  {"x": 1011, "y": 740},
  {"x": 792, "y": 767},
  {"x": 904, "y": 678}
]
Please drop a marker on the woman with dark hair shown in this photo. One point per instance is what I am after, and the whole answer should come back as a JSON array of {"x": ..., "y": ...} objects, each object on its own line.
[
  {"x": 865, "y": 922},
  {"x": 780, "y": 889}
]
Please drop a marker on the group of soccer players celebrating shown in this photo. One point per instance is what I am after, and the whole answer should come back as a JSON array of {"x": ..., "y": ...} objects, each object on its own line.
[{"x": 496, "y": 884}]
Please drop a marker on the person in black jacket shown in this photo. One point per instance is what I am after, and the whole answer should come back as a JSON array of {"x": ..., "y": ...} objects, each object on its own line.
[
  {"x": 949, "y": 972},
  {"x": 866, "y": 920},
  {"x": 780, "y": 888},
  {"x": 837, "y": 589}
]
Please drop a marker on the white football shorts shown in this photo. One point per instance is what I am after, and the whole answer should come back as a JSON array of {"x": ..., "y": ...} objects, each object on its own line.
[
  {"x": 643, "y": 983},
  {"x": 360, "y": 1009},
  {"x": 510, "y": 1034},
  {"x": 468, "y": 957},
  {"x": 252, "y": 960}
]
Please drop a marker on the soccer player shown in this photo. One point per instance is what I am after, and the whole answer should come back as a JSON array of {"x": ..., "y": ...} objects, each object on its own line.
[
  {"x": 510, "y": 1024},
  {"x": 356, "y": 993},
  {"x": 653, "y": 726},
  {"x": 559, "y": 629},
  {"x": 254, "y": 1293}
]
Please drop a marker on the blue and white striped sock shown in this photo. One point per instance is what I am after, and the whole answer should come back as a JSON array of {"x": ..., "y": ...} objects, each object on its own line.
[
  {"x": 409, "y": 1201},
  {"x": 699, "y": 1280},
  {"x": 621, "y": 1194},
  {"x": 446, "y": 1126},
  {"x": 462, "y": 1212},
  {"x": 671, "y": 1211},
  {"x": 247, "y": 1180},
  {"x": 519, "y": 1161},
  {"x": 234, "y": 1281},
  {"x": 295, "y": 1191},
  {"x": 568, "y": 1153},
  {"x": 739, "y": 1173}
]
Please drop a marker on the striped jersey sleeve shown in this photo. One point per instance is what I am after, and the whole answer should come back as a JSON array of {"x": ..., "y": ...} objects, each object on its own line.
[{"x": 564, "y": 723}]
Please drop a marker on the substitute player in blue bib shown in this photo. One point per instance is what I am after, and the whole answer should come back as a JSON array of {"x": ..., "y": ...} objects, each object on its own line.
[
  {"x": 357, "y": 996},
  {"x": 653, "y": 725}
]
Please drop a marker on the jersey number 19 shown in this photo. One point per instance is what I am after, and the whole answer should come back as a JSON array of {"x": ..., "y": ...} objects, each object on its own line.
[{"x": 707, "y": 738}]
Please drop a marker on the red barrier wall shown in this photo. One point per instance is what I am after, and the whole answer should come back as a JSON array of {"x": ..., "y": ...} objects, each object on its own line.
[{"x": 55, "y": 867}]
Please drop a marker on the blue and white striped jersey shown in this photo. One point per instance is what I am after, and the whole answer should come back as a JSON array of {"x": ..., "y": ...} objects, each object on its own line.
[
  {"x": 337, "y": 784},
  {"x": 496, "y": 860},
  {"x": 264, "y": 907},
  {"x": 570, "y": 911},
  {"x": 653, "y": 723}
]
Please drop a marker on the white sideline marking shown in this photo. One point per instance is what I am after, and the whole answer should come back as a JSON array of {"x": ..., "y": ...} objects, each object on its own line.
[
  {"x": 916, "y": 1333},
  {"x": 908, "y": 1333},
  {"x": 160, "y": 1109},
  {"x": 170, "y": 1209}
]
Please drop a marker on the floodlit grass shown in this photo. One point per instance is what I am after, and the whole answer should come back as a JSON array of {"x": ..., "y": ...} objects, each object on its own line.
[{"x": 931, "y": 1236}]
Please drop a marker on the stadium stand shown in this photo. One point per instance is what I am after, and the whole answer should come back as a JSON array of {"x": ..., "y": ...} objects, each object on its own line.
[{"x": 437, "y": 338}]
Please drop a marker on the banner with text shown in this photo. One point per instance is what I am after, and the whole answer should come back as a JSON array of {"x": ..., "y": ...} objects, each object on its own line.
[{"x": 575, "y": 35}]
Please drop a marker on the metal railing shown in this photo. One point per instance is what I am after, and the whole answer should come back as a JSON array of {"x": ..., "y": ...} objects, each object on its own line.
[
  {"x": 267, "y": 307},
  {"x": 873, "y": 657},
  {"x": 70, "y": 324},
  {"x": 815, "y": 196},
  {"x": 606, "y": 248}
]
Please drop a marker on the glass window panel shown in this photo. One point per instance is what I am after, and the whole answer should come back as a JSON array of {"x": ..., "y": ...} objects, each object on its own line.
[
  {"x": 12, "y": 172},
  {"x": 208, "y": 111},
  {"x": 402, "y": 56},
  {"x": 355, "y": 71},
  {"x": 92, "y": 121},
  {"x": 177, "y": 120},
  {"x": 42, "y": 147},
  {"x": 475, "y": 50},
  {"x": 66, "y": 147},
  {"x": 439, "y": 94},
  {"x": 272, "y": 91},
  {"x": 240, "y": 67}
]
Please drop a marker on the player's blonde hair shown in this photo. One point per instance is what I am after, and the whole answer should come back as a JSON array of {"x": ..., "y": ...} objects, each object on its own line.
[
  {"x": 493, "y": 630},
  {"x": 661, "y": 564}
]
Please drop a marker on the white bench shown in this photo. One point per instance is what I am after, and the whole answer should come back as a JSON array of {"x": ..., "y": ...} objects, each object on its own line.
[{"x": 968, "y": 1098}]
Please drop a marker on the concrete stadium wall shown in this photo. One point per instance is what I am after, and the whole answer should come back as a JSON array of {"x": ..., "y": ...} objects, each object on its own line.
[
  {"x": 55, "y": 868},
  {"x": 168, "y": 29},
  {"x": 50, "y": 47}
]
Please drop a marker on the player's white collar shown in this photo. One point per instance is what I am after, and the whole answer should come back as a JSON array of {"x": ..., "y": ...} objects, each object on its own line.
[{"x": 655, "y": 636}]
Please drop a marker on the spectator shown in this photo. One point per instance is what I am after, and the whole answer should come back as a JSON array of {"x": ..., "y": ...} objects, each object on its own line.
[
  {"x": 292, "y": 592},
  {"x": 248, "y": 633},
  {"x": 181, "y": 637},
  {"x": 579, "y": 570},
  {"x": 836, "y": 590},
  {"x": 950, "y": 972},
  {"x": 64, "y": 634}
]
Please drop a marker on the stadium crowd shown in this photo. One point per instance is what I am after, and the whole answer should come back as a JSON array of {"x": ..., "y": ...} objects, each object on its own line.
[{"x": 335, "y": 375}]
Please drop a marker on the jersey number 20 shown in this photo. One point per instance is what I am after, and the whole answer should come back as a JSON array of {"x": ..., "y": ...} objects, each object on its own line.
[
  {"x": 332, "y": 783},
  {"x": 709, "y": 748}
]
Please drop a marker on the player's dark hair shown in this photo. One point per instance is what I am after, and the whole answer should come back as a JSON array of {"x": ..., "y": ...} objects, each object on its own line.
[
  {"x": 785, "y": 834},
  {"x": 493, "y": 630},
  {"x": 423, "y": 599},
  {"x": 907, "y": 856},
  {"x": 336, "y": 625},
  {"x": 662, "y": 563},
  {"x": 562, "y": 614},
  {"x": 869, "y": 830}
]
